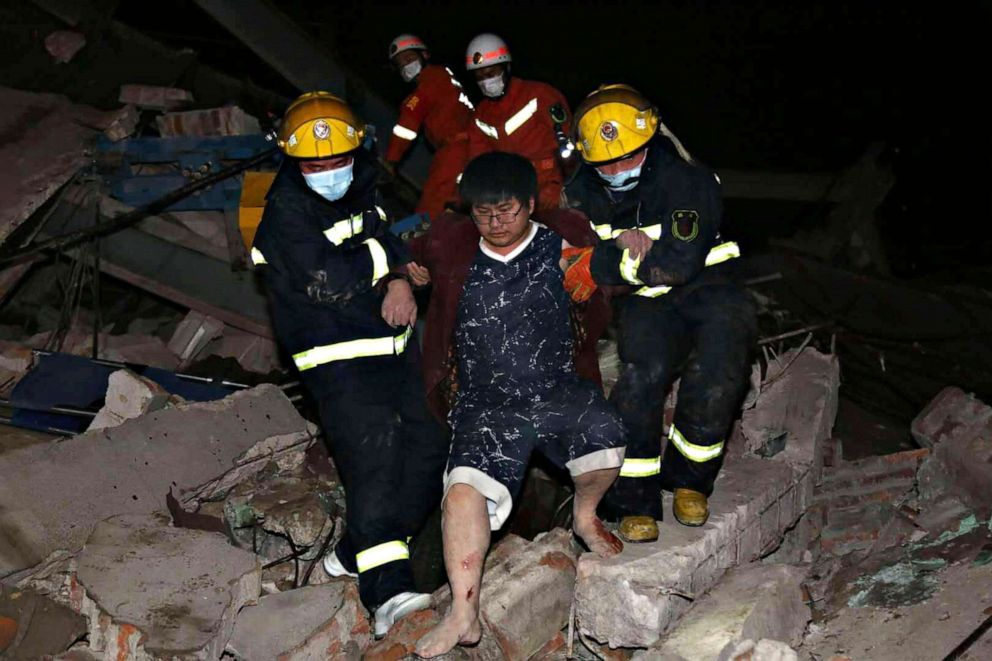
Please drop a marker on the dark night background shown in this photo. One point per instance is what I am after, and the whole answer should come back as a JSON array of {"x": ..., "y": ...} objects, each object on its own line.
[{"x": 793, "y": 86}]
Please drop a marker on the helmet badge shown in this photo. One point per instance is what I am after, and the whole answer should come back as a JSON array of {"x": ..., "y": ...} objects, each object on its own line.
[
  {"x": 477, "y": 58},
  {"x": 321, "y": 129},
  {"x": 609, "y": 131}
]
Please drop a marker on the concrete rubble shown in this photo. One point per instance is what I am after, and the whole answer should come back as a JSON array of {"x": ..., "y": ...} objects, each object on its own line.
[
  {"x": 152, "y": 591},
  {"x": 193, "y": 334},
  {"x": 32, "y": 626},
  {"x": 63, "y": 45},
  {"x": 15, "y": 361},
  {"x": 526, "y": 596},
  {"x": 795, "y": 408},
  {"x": 752, "y": 602},
  {"x": 315, "y": 622},
  {"x": 229, "y": 120},
  {"x": 277, "y": 516},
  {"x": 197, "y": 451},
  {"x": 128, "y": 396},
  {"x": 634, "y": 599},
  {"x": 154, "y": 97},
  {"x": 958, "y": 427}
]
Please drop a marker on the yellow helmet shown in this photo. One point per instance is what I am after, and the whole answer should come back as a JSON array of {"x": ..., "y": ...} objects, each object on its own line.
[
  {"x": 319, "y": 125},
  {"x": 614, "y": 121}
]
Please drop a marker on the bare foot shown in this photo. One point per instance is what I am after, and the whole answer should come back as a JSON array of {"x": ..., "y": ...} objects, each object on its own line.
[
  {"x": 599, "y": 540},
  {"x": 452, "y": 630}
]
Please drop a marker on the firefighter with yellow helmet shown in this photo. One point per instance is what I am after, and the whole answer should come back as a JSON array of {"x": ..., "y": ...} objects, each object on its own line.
[
  {"x": 657, "y": 213},
  {"x": 342, "y": 311}
]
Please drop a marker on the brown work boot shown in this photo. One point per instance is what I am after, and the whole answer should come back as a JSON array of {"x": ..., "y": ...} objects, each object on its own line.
[
  {"x": 690, "y": 507},
  {"x": 637, "y": 529}
]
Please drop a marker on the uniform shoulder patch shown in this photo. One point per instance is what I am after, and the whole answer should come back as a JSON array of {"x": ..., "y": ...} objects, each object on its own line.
[
  {"x": 412, "y": 102},
  {"x": 685, "y": 224}
]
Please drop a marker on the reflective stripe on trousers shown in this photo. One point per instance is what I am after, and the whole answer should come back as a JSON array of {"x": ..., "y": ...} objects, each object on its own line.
[
  {"x": 640, "y": 467},
  {"x": 717, "y": 255},
  {"x": 691, "y": 451},
  {"x": 365, "y": 348},
  {"x": 381, "y": 554}
]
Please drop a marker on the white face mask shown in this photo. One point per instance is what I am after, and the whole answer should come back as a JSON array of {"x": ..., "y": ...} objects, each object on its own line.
[
  {"x": 331, "y": 184},
  {"x": 492, "y": 87},
  {"x": 622, "y": 181},
  {"x": 410, "y": 71}
]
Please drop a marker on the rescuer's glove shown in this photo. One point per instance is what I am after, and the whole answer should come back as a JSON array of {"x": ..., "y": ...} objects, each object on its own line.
[{"x": 578, "y": 278}]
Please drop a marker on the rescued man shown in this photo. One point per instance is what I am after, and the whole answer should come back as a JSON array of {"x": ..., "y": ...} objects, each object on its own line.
[{"x": 517, "y": 390}]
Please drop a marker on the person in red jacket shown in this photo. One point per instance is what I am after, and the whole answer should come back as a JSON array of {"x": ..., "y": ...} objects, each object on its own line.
[
  {"x": 439, "y": 106},
  {"x": 517, "y": 115}
]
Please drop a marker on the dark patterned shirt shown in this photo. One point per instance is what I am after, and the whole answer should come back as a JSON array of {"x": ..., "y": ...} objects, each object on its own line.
[{"x": 513, "y": 334}]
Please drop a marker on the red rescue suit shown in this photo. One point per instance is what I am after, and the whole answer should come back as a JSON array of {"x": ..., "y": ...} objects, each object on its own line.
[
  {"x": 439, "y": 105},
  {"x": 520, "y": 122}
]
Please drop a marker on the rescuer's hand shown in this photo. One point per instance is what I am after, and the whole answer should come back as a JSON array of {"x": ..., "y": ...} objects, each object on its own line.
[
  {"x": 399, "y": 308},
  {"x": 636, "y": 241},
  {"x": 419, "y": 275},
  {"x": 578, "y": 278}
]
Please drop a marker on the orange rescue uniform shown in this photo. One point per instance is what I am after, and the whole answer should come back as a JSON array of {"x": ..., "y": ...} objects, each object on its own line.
[
  {"x": 520, "y": 122},
  {"x": 440, "y": 106}
]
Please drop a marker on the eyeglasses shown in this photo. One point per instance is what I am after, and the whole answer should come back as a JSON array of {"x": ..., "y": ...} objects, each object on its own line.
[{"x": 502, "y": 217}]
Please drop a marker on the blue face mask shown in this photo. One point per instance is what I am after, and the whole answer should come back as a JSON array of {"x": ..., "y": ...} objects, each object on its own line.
[
  {"x": 331, "y": 184},
  {"x": 622, "y": 181}
]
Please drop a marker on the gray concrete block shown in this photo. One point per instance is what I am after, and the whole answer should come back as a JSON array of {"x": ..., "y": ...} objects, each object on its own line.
[
  {"x": 526, "y": 600},
  {"x": 752, "y": 602},
  {"x": 799, "y": 401},
  {"x": 152, "y": 591},
  {"x": 128, "y": 396},
  {"x": 632, "y": 599},
  {"x": 315, "y": 622},
  {"x": 55, "y": 493}
]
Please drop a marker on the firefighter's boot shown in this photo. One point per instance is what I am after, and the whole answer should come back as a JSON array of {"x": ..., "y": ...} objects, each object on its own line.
[
  {"x": 690, "y": 507},
  {"x": 636, "y": 529}
]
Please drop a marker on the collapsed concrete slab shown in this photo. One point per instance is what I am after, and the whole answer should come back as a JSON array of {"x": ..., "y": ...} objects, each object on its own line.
[
  {"x": 631, "y": 600},
  {"x": 128, "y": 396},
  {"x": 794, "y": 412},
  {"x": 959, "y": 429},
  {"x": 315, "y": 622},
  {"x": 751, "y": 602},
  {"x": 55, "y": 493},
  {"x": 151, "y": 591}
]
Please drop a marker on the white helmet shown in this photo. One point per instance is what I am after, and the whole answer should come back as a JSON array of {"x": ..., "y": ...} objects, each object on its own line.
[
  {"x": 406, "y": 42},
  {"x": 485, "y": 50}
]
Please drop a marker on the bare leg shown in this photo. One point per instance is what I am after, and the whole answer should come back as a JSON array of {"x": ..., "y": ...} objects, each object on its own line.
[
  {"x": 465, "y": 528},
  {"x": 589, "y": 490}
]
